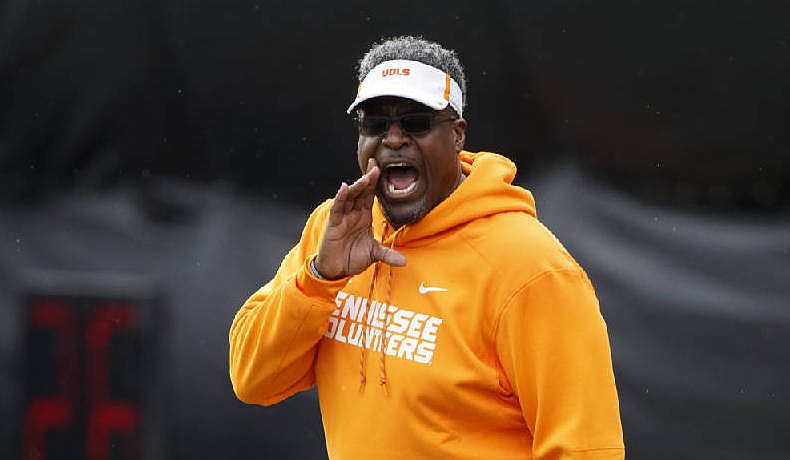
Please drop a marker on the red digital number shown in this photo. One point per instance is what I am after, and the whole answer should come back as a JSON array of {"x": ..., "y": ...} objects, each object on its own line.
[
  {"x": 104, "y": 416},
  {"x": 53, "y": 412}
]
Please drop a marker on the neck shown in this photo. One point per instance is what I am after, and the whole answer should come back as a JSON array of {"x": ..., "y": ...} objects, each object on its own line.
[{"x": 461, "y": 178}]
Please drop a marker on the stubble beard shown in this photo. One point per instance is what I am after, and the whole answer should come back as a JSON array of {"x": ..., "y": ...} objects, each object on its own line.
[{"x": 415, "y": 213}]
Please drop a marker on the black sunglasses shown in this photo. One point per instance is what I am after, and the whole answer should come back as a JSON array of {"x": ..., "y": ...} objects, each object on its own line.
[{"x": 411, "y": 123}]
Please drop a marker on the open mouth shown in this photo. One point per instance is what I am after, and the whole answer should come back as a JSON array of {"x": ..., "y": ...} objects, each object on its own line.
[{"x": 400, "y": 180}]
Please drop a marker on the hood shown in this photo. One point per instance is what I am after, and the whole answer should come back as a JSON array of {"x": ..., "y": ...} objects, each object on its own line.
[{"x": 487, "y": 190}]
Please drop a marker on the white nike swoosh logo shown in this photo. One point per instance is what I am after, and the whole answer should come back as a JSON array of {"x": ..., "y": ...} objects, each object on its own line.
[{"x": 426, "y": 289}]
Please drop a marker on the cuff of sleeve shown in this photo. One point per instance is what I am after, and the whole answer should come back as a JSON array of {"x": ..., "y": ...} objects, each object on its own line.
[{"x": 315, "y": 287}]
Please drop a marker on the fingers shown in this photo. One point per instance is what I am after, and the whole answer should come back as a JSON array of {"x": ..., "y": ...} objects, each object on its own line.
[
  {"x": 358, "y": 195},
  {"x": 366, "y": 185},
  {"x": 389, "y": 256},
  {"x": 371, "y": 164},
  {"x": 373, "y": 172},
  {"x": 339, "y": 204}
]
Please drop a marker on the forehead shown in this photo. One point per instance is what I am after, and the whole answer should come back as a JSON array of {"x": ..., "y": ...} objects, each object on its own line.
[{"x": 392, "y": 104}]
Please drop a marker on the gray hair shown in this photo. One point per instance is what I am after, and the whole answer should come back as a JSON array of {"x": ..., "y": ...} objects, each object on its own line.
[{"x": 414, "y": 49}]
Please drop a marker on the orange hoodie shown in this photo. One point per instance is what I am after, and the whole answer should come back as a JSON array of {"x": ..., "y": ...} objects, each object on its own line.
[{"x": 488, "y": 344}]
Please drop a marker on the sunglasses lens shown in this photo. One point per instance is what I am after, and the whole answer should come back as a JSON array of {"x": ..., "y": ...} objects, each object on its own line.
[
  {"x": 414, "y": 123},
  {"x": 417, "y": 123},
  {"x": 373, "y": 126}
]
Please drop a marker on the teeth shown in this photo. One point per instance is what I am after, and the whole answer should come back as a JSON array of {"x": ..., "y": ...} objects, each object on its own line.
[
  {"x": 393, "y": 191},
  {"x": 397, "y": 164}
]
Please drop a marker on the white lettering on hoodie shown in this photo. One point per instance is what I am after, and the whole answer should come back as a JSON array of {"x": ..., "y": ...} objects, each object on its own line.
[{"x": 359, "y": 321}]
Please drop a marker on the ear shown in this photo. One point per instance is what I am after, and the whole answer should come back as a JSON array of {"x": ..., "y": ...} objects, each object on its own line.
[{"x": 459, "y": 131}]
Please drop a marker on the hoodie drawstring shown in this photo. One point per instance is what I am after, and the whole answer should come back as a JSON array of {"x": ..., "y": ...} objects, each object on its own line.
[
  {"x": 388, "y": 320},
  {"x": 363, "y": 350},
  {"x": 385, "y": 335}
]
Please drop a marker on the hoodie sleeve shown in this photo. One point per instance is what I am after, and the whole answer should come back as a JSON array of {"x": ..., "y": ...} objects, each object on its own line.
[
  {"x": 554, "y": 350},
  {"x": 275, "y": 334}
]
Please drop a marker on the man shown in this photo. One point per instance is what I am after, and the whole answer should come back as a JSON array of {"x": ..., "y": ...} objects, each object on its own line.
[{"x": 436, "y": 315}]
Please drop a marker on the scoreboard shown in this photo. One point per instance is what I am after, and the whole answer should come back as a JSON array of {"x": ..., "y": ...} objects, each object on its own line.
[{"x": 90, "y": 367}]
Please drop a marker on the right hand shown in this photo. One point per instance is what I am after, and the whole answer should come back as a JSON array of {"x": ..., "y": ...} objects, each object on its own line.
[{"x": 348, "y": 247}]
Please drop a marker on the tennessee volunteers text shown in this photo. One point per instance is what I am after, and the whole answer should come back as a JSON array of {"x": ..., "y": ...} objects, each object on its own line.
[{"x": 377, "y": 326}]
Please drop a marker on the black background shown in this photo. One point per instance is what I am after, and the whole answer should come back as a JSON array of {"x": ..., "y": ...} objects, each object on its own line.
[{"x": 682, "y": 101}]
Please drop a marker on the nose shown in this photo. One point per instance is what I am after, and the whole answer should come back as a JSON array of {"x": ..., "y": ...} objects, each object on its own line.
[{"x": 395, "y": 138}]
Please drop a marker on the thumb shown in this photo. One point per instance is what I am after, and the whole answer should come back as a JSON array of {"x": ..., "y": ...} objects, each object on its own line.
[{"x": 389, "y": 256}]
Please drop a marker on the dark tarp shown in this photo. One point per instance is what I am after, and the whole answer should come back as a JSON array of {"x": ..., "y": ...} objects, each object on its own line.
[
  {"x": 205, "y": 264},
  {"x": 698, "y": 310}
]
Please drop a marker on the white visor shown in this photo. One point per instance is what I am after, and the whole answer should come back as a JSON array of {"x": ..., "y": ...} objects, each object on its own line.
[{"x": 411, "y": 80}]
